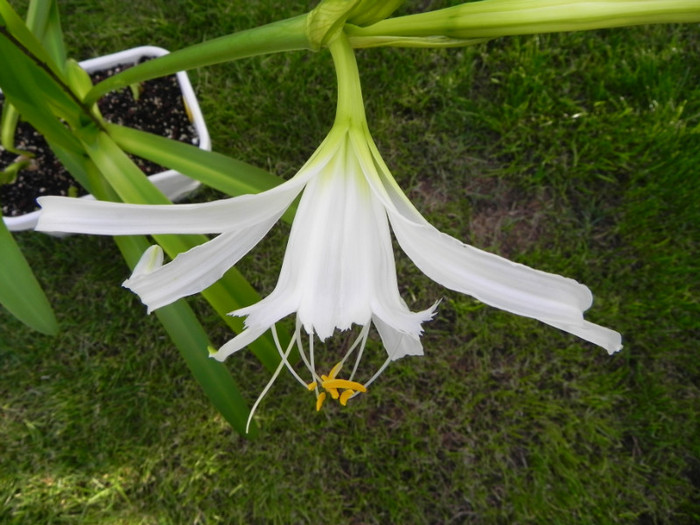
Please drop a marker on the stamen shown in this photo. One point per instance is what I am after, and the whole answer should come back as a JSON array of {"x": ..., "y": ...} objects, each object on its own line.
[
  {"x": 334, "y": 392},
  {"x": 381, "y": 369},
  {"x": 330, "y": 383},
  {"x": 297, "y": 334},
  {"x": 282, "y": 354},
  {"x": 343, "y": 383},
  {"x": 268, "y": 386},
  {"x": 347, "y": 394},
  {"x": 319, "y": 401},
  {"x": 363, "y": 336},
  {"x": 334, "y": 371},
  {"x": 311, "y": 353}
]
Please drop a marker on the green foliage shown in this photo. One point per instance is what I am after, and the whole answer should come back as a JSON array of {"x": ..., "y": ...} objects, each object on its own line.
[
  {"x": 575, "y": 153},
  {"x": 20, "y": 292},
  {"x": 50, "y": 96}
]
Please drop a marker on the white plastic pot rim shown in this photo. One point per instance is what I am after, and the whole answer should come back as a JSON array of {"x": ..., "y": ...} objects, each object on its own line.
[{"x": 173, "y": 184}]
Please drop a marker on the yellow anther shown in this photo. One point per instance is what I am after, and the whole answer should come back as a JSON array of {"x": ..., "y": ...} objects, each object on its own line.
[
  {"x": 347, "y": 394},
  {"x": 333, "y": 386},
  {"x": 343, "y": 383},
  {"x": 334, "y": 371},
  {"x": 319, "y": 401}
]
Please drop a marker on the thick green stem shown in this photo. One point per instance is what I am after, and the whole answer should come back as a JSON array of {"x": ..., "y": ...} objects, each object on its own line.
[
  {"x": 350, "y": 104},
  {"x": 497, "y": 18}
]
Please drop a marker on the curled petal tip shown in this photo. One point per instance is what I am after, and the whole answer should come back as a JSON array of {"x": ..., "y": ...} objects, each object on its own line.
[
  {"x": 217, "y": 356},
  {"x": 151, "y": 260}
]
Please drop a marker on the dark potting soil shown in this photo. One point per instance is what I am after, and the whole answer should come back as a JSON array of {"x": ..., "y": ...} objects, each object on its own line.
[{"x": 159, "y": 109}]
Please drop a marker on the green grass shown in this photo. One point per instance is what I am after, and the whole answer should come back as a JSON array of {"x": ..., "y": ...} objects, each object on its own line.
[{"x": 576, "y": 154}]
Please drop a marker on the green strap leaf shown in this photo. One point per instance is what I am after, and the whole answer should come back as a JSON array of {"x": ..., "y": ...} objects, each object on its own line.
[
  {"x": 20, "y": 292},
  {"x": 44, "y": 21},
  {"x": 12, "y": 25},
  {"x": 41, "y": 97},
  {"x": 218, "y": 171},
  {"x": 285, "y": 35},
  {"x": 28, "y": 72},
  {"x": 229, "y": 293},
  {"x": 191, "y": 340},
  {"x": 180, "y": 322}
]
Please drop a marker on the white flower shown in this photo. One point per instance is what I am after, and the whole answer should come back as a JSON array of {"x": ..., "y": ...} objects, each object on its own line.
[{"x": 338, "y": 269}]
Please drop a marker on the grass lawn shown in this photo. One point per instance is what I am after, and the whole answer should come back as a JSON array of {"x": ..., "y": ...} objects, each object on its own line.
[{"x": 576, "y": 154}]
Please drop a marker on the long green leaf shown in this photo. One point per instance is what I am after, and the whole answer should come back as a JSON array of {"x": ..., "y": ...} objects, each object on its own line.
[
  {"x": 229, "y": 293},
  {"x": 28, "y": 72},
  {"x": 179, "y": 321},
  {"x": 21, "y": 91},
  {"x": 285, "y": 35},
  {"x": 44, "y": 21},
  {"x": 12, "y": 25},
  {"x": 20, "y": 292},
  {"x": 218, "y": 171},
  {"x": 38, "y": 95},
  {"x": 191, "y": 340}
]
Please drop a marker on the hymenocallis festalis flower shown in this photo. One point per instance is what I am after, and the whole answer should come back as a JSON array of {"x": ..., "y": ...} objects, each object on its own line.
[{"x": 338, "y": 269}]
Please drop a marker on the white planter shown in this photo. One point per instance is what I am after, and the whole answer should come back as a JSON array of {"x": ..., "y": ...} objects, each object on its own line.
[{"x": 173, "y": 184}]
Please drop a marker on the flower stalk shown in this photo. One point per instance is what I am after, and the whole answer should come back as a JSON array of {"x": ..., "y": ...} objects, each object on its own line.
[{"x": 474, "y": 22}]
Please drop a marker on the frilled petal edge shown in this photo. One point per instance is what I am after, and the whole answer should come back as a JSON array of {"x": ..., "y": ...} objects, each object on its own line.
[{"x": 398, "y": 344}]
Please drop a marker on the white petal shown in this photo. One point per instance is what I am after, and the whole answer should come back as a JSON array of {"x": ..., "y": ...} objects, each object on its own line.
[
  {"x": 550, "y": 298},
  {"x": 397, "y": 344},
  {"x": 492, "y": 279},
  {"x": 63, "y": 214},
  {"x": 266, "y": 312},
  {"x": 237, "y": 343},
  {"x": 198, "y": 268},
  {"x": 329, "y": 262},
  {"x": 150, "y": 260},
  {"x": 596, "y": 334}
]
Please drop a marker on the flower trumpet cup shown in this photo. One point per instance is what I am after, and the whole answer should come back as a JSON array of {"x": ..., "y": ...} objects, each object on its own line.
[{"x": 338, "y": 269}]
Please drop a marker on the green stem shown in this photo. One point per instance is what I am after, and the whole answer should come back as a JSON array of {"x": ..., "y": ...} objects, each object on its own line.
[
  {"x": 497, "y": 18},
  {"x": 350, "y": 104},
  {"x": 285, "y": 35}
]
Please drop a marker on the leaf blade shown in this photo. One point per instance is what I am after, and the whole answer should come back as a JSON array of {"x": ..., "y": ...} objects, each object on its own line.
[
  {"x": 20, "y": 292},
  {"x": 191, "y": 340}
]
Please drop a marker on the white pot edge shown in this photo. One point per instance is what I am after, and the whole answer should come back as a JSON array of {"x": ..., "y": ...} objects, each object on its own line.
[{"x": 173, "y": 184}]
